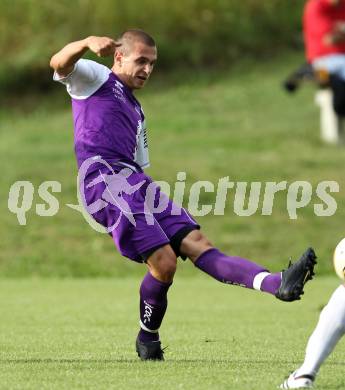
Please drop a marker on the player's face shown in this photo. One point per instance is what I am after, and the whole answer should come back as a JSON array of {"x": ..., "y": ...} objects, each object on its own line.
[{"x": 137, "y": 66}]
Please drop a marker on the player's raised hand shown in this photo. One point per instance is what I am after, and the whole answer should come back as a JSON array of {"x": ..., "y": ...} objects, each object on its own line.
[{"x": 102, "y": 46}]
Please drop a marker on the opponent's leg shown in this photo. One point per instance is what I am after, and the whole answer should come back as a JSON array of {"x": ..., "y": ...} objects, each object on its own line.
[
  {"x": 153, "y": 302},
  {"x": 286, "y": 285},
  {"x": 329, "y": 330}
]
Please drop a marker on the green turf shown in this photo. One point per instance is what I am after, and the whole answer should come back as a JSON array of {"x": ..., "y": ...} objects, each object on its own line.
[
  {"x": 237, "y": 123},
  {"x": 79, "y": 334}
]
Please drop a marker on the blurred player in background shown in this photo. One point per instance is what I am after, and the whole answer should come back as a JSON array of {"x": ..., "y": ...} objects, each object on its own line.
[{"x": 324, "y": 38}]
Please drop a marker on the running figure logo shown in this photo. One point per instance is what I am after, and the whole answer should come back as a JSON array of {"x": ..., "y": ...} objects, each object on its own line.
[{"x": 116, "y": 185}]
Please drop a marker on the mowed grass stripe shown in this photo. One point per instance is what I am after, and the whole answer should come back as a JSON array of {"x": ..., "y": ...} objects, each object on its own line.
[{"x": 79, "y": 334}]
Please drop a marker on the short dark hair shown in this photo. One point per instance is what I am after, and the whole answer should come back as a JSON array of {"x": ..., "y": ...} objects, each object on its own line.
[{"x": 128, "y": 37}]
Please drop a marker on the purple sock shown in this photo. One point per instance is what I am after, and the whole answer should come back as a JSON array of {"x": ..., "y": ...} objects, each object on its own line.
[
  {"x": 238, "y": 271},
  {"x": 153, "y": 304},
  {"x": 271, "y": 283}
]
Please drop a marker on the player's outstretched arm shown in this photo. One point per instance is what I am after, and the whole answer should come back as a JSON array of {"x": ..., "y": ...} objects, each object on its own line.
[{"x": 63, "y": 61}]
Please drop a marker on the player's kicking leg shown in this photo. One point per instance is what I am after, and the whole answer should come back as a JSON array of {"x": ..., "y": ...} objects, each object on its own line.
[
  {"x": 153, "y": 302},
  {"x": 286, "y": 285},
  {"x": 329, "y": 330}
]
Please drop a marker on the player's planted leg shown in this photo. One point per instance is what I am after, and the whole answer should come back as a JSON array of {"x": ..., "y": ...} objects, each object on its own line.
[{"x": 154, "y": 302}]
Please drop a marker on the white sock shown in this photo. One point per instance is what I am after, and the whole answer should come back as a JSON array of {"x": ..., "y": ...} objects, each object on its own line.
[
  {"x": 329, "y": 330},
  {"x": 258, "y": 279}
]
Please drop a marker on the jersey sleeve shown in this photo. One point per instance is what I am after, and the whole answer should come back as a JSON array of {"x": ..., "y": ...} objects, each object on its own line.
[{"x": 85, "y": 79}]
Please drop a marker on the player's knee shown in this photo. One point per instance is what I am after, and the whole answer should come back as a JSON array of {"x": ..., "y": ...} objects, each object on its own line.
[
  {"x": 194, "y": 244},
  {"x": 163, "y": 263},
  {"x": 200, "y": 239},
  {"x": 167, "y": 270}
]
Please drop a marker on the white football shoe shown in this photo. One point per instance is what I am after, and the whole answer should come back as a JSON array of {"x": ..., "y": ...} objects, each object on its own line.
[{"x": 297, "y": 382}]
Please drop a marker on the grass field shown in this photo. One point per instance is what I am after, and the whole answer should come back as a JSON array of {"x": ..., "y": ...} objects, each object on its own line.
[
  {"x": 237, "y": 123},
  {"x": 79, "y": 334}
]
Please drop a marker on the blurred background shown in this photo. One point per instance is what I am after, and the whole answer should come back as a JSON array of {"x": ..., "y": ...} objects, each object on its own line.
[
  {"x": 215, "y": 107},
  {"x": 192, "y": 33}
]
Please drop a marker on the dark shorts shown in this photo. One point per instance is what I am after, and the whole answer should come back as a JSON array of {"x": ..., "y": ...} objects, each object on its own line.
[{"x": 137, "y": 214}]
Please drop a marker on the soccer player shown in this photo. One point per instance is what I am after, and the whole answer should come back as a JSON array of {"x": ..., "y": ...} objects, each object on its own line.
[
  {"x": 110, "y": 126},
  {"x": 329, "y": 330},
  {"x": 324, "y": 37}
]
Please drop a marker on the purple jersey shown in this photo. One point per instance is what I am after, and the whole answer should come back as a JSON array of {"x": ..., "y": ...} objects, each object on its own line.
[
  {"x": 109, "y": 125},
  {"x": 108, "y": 120}
]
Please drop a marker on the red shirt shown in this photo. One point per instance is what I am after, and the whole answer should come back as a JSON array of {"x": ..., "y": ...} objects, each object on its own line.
[{"x": 319, "y": 19}]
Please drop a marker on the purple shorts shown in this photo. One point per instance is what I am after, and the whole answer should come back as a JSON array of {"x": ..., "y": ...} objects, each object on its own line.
[{"x": 137, "y": 214}]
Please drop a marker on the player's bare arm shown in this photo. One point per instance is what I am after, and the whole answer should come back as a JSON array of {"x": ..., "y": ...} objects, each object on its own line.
[{"x": 63, "y": 61}]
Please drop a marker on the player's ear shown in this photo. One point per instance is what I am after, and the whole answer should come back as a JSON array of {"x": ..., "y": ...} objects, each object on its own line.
[{"x": 118, "y": 57}]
